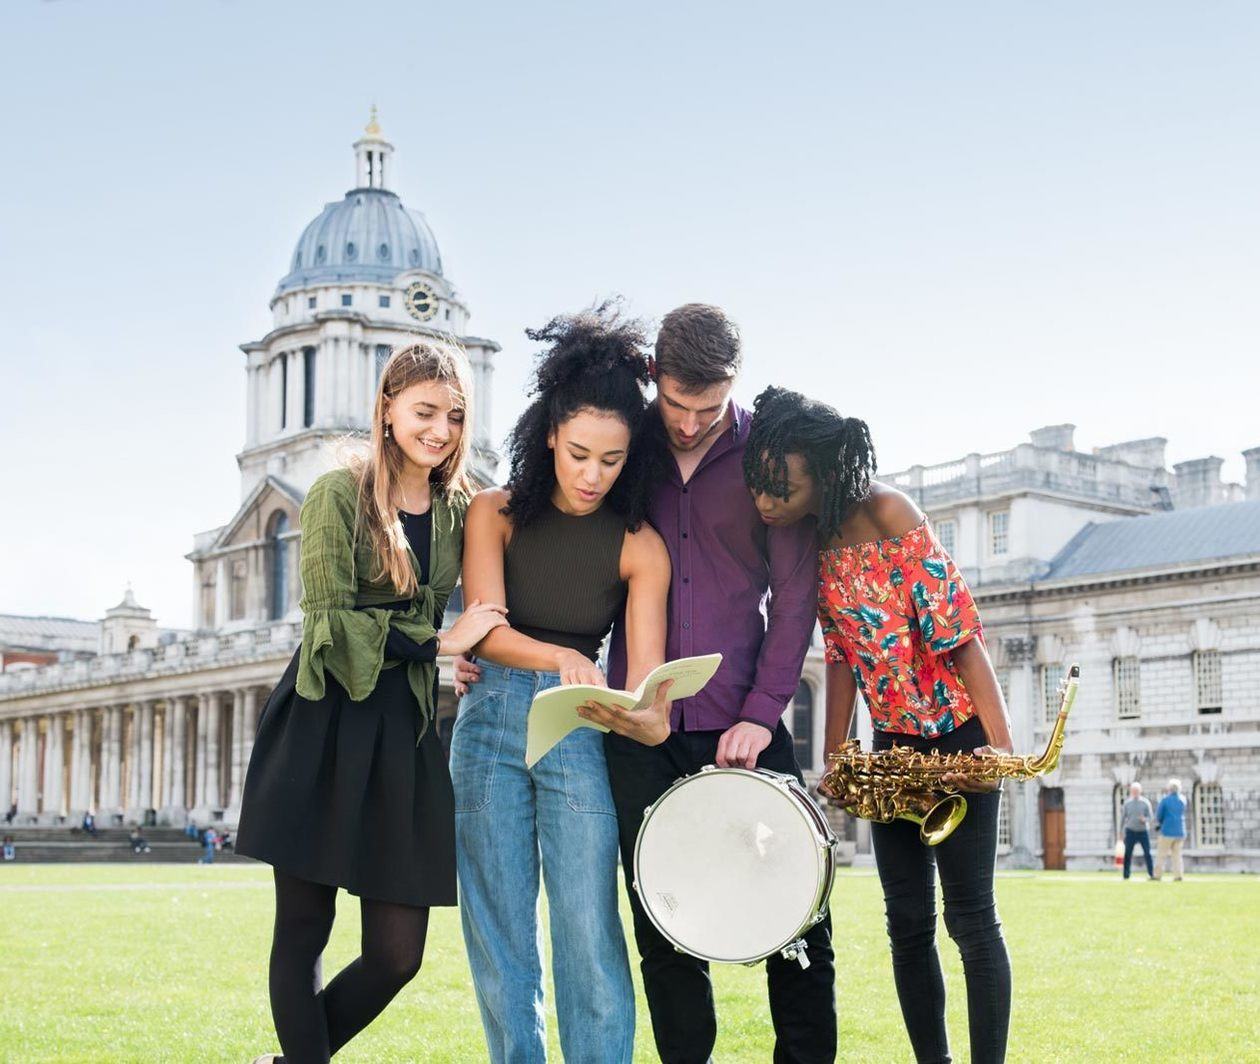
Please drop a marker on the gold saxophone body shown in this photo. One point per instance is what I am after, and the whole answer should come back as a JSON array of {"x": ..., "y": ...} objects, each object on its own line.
[{"x": 906, "y": 783}]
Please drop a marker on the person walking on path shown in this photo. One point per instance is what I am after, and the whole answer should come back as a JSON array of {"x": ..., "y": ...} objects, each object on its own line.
[
  {"x": 1136, "y": 817},
  {"x": 1170, "y": 819}
]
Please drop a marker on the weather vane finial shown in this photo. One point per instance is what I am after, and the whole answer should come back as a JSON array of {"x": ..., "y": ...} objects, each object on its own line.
[{"x": 373, "y": 128}]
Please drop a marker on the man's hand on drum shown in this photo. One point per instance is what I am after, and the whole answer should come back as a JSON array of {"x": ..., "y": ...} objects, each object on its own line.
[
  {"x": 741, "y": 744},
  {"x": 649, "y": 725}
]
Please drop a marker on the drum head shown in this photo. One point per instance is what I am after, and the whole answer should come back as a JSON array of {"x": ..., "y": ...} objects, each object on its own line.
[{"x": 728, "y": 866}]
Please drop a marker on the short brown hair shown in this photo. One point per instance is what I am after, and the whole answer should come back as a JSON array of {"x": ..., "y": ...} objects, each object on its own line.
[{"x": 698, "y": 345}]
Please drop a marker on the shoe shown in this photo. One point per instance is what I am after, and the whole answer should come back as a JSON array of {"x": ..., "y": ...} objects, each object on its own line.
[{"x": 266, "y": 1058}]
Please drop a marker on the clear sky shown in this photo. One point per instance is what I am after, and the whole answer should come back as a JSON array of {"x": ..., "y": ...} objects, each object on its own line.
[{"x": 960, "y": 221}]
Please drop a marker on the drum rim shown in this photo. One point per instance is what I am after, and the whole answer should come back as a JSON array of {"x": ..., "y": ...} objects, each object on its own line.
[{"x": 825, "y": 853}]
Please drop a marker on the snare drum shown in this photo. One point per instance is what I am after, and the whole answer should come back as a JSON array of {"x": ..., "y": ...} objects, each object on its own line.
[{"x": 735, "y": 865}]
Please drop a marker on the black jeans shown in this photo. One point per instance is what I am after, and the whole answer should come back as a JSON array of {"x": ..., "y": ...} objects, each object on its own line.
[
  {"x": 965, "y": 860},
  {"x": 1137, "y": 838},
  {"x": 679, "y": 992}
]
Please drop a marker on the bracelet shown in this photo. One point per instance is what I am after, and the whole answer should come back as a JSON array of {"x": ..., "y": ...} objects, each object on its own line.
[{"x": 438, "y": 652}]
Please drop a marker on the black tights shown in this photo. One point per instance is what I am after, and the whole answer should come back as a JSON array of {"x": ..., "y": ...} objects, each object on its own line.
[{"x": 314, "y": 1021}]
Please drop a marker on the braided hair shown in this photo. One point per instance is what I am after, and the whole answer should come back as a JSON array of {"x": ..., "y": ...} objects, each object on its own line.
[
  {"x": 837, "y": 450},
  {"x": 595, "y": 361}
]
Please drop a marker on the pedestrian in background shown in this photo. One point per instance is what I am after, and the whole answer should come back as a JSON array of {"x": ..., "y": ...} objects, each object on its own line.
[
  {"x": 1136, "y": 817},
  {"x": 1170, "y": 819}
]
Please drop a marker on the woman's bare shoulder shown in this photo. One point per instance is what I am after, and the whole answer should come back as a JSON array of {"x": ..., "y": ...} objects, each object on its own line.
[
  {"x": 488, "y": 501},
  {"x": 891, "y": 511}
]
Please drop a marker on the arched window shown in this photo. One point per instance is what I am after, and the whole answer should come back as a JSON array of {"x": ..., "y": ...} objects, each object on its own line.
[
  {"x": 1118, "y": 797},
  {"x": 803, "y": 725},
  {"x": 278, "y": 582},
  {"x": 1209, "y": 816}
]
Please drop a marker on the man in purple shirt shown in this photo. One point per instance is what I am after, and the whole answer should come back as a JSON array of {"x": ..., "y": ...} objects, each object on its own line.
[{"x": 748, "y": 591}]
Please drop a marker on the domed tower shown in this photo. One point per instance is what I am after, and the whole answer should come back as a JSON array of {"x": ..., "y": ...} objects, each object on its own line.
[{"x": 366, "y": 275}]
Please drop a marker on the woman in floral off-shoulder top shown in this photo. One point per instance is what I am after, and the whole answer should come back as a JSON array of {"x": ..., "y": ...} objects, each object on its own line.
[{"x": 900, "y": 625}]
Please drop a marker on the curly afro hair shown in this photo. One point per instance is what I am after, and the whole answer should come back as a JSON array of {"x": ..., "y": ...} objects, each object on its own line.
[
  {"x": 837, "y": 450},
  {"x": 595, "y": 360}
]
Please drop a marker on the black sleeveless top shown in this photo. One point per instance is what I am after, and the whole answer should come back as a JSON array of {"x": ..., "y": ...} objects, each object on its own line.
[{"x": 563, "y": 577}]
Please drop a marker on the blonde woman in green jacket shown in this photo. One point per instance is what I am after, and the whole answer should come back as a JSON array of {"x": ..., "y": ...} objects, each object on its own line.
[{"x": 348, "y": 786}]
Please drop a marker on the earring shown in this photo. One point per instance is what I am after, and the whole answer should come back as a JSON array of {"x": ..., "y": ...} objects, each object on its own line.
[{"x": 387, "y": 430}]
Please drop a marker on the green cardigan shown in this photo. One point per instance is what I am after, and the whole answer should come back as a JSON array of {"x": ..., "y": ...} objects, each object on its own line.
[{"x": 337, "y": 577}]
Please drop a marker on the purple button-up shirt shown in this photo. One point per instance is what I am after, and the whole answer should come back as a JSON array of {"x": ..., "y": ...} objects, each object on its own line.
[{"x": 739, "y": 587}]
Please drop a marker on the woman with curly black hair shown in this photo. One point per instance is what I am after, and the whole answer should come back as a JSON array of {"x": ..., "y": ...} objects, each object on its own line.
[
  {"x": 900, "y": 625},
  {"x": 564, "y": 547}
]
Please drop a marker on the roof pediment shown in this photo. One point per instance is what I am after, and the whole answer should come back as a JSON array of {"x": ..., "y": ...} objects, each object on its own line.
[{"x": 267, "y": 490}]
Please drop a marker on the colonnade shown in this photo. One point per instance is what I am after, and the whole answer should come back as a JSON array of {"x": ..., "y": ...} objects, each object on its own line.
[{"x": 180, "y": 756}]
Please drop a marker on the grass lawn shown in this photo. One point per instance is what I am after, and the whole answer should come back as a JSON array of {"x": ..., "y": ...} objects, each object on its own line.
[{"x": 168, "y": 963}]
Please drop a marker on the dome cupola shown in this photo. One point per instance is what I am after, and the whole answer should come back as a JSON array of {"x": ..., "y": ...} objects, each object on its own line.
[{"x": 368, "y": 236}]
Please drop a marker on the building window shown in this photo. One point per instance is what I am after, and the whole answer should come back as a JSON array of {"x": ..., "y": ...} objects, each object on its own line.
[
  {"x": 1005, "y": 825},
  {"x": 999, "y": 532},
  {"x": 278, "y": 548},
  {"x": 448, "y": 313},
  {"x": 1207, "y": 680},
  {"x": 1050, "y": 693},
  {"x": 207, "y": 601},
  {"x": 346, "y": 299},
  {"x": 237, "y": 602},
  {"x": 308, "y": 386},
  {"x": 383, "y": 302},
  {"x": 1004, "y": 684},
  {"x": 284, "y": 390},
  {"x": 1119, "y": 796},
  {"x": 382, "y": 356},
  {"x": 1126, "y": 679},
  {"x": 310, "y": 302},
  {"x": 947, "y": 533},
  {"x": 1209, "y": 816},
  {"x": 803, "y": 725}
]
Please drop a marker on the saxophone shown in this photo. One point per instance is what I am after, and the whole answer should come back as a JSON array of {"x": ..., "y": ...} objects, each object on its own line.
[{"x": 906, "y": 783}]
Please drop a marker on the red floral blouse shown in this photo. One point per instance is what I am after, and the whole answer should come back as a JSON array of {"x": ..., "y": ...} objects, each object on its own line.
[{"x": 892, "y": 610}]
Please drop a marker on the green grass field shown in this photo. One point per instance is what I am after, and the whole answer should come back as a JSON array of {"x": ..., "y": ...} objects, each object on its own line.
[{"x": 168, "y": 963}]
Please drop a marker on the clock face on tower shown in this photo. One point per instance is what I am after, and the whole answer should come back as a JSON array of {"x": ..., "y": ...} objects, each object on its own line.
[{"x": 421, "y": 302}]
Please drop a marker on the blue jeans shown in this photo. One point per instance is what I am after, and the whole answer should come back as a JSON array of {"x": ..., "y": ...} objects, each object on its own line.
[
  {"x": 1137, "y": 838},
  {"x": 511, "y": 821}
]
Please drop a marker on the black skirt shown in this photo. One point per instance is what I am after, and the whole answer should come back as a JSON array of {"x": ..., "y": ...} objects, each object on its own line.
[{"x": 339, "y": 792}]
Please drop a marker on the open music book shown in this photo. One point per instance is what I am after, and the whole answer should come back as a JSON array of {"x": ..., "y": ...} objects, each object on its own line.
[{"x": 553, "y": 713}]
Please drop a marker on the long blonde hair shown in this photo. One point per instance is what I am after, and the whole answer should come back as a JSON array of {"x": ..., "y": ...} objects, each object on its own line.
[{"x": 378, "y": 471}]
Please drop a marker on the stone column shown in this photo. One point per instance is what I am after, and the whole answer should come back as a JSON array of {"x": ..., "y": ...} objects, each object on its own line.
[
  {"x": 214, "y": 752},
  {"x": 111, "y": 765},
  {"x": 176, "y": 795},
  {"x": 54, "y": 767},
  {"x": 28, "y": 768},
  {"x": 80, "y": 764},
  {"x": 203, "y": 715},
  {"x": 293, "y": 401},
  {"x": 251, "y": 728},
  {"x": 6, "y": 765},
  {"x": 238, "y": 749},
  {"x": 132, "y": 738},
  {"x": 145, "y": 764}
]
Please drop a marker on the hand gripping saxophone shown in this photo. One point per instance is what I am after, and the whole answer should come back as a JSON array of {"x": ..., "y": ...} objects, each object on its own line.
[{"x": 905, "y": 783}]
